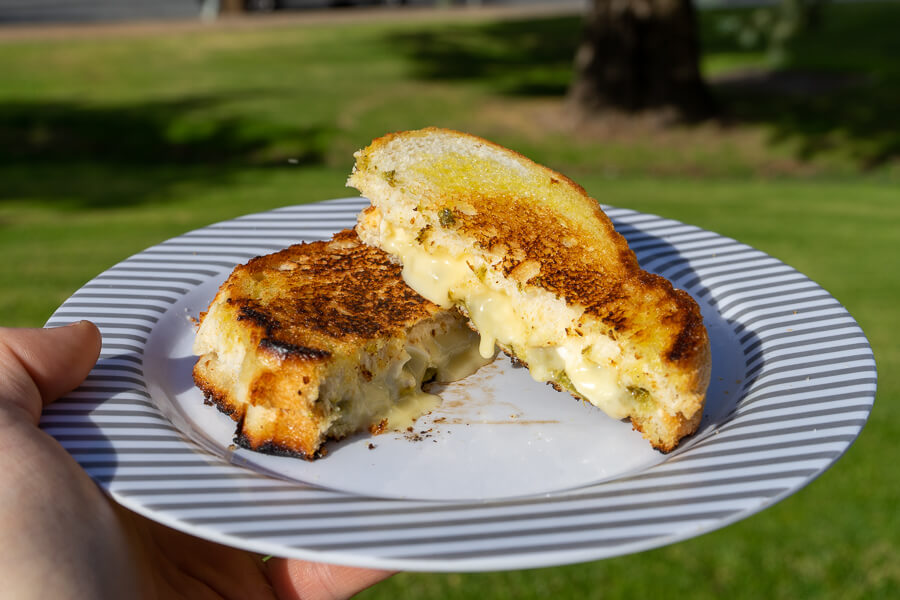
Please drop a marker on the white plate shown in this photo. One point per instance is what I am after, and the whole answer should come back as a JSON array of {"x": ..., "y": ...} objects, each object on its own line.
[{"x": 506, "y": 473}]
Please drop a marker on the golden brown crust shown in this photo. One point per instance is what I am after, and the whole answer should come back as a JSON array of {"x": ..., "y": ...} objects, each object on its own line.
[
  {"x": 325, "y": 294},
  {"x": 617, "y": 293}
]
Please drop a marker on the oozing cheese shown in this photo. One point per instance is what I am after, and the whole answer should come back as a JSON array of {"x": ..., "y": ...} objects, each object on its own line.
[
  {"x": 431, "y": 275},
  {"x": 445, "y": 357},
  {"x": 446, "y": 279},
  {"x": 410, "y": 407},
  {"x": 494, "y": 317},
  {"x": 393, "y": 398}
]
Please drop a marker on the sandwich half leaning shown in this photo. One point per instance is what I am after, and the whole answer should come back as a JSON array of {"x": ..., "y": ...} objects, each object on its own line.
[{"x": 540, "y": 271}]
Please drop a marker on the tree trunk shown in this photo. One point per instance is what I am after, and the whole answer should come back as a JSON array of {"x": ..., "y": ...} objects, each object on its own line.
[{"x": 641, "y": 55}]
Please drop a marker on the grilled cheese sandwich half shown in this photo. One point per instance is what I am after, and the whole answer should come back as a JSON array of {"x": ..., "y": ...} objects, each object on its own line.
[
  {"x": 322, "y": 340},
  {"x": 540, "y": 271}
]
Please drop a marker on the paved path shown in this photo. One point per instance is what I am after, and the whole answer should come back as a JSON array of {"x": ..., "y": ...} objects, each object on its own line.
[{"x": 532, "y": 8}]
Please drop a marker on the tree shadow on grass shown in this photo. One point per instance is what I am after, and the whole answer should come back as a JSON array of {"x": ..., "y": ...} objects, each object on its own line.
[
  {"x": 819, "y": 113},
  {"x": 531, "y": 57},
  {"x": 89, "y": 156},
  {"x": 824, "y": 100},
  {"x": 835, "y": 91}
]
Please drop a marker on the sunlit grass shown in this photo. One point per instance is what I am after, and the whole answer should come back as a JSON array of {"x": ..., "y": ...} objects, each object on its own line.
[{"x": 108, "y": 146}]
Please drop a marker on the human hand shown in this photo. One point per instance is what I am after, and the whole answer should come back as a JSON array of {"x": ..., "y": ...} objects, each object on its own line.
[{"x": 61, "y": 537}]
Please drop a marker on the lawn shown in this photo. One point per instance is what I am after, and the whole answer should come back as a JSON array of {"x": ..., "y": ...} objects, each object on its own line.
[{"x": 111, "y": 144}]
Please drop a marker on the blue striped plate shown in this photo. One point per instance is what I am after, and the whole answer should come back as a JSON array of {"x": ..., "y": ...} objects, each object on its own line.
[{"x": 511, "y": 474}]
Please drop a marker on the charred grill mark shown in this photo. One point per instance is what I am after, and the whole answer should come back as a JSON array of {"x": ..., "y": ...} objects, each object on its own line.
[
  {"x": 211, "y": 397},
  {"x": 616, "y": 320},
  {"x": 272, "y": 448},
  {"x": 692, "y": 336},
  {"x": 249, "y": 313},
  {"x": 288, "y": 350}
]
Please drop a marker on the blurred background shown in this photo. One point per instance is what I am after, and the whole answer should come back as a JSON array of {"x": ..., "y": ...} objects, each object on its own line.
[{"x": 124, "y": 123}]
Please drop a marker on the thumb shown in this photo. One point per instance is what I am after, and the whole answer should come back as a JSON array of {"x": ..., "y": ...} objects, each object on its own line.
[{"x": 37, "y": 366}]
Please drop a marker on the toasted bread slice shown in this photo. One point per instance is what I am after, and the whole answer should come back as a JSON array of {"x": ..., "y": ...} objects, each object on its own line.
[
  {"x": 322, "y": 340},
  {"x": 540, "y": 270}
]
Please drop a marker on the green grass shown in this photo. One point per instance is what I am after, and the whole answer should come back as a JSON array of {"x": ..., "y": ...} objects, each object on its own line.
[{"x": 113, "y": 144}]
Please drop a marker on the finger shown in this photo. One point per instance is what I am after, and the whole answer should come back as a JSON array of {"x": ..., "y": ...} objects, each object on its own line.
[
  {"x": 298, "y": 579},
  {"x": 37, "y": 366}
]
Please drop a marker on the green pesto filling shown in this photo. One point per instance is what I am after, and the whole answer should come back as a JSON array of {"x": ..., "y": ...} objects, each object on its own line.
[
  {"x": 390, "y": 177},
  {"x": 446, "y": 217}
]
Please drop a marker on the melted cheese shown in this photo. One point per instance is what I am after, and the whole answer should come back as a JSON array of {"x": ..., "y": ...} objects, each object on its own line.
[
  {"x": 461, "y": 364},
  {"x": 432, "y": 275},
  {"x": 600, "y": 385},
  {"x": 393, "y": 398},
  {"x": 442, "y": 278},
  {"x": 494, "y": 317},
  {"x": 448, "y": 355},
  {"x": 410, "y": 407},
  {"x": 544, "y": 363}
]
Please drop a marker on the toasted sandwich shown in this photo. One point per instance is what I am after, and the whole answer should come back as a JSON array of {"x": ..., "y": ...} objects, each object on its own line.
[
  {"x": 540, "y": 271},
  {"x": 322, "y": 340}
]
